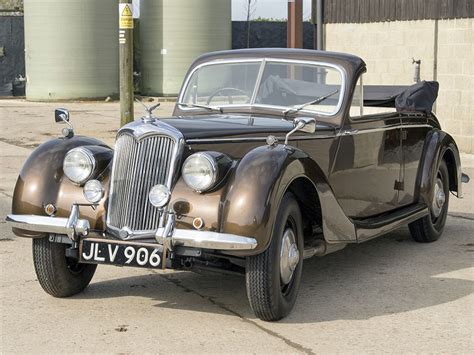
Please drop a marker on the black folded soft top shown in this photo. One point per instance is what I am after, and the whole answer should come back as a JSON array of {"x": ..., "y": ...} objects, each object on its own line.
[{"x": 418, "y": 97}]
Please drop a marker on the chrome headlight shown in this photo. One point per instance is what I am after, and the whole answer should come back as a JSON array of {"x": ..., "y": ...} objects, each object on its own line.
[
  {"x": 200, "y": 171},
  {"x": 93, "y": 191},
  {"x": 79, "y": 164}
]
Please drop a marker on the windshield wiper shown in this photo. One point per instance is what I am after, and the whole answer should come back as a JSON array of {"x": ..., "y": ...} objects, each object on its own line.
[
  {"x": 316, "y": 101},
  {"x": 210, "y": 108}
]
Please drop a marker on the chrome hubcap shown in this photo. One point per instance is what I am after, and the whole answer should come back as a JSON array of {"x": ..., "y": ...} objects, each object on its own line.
[
  {"x": 439, "y": 198},
  {"x": 289, "y": 257}
]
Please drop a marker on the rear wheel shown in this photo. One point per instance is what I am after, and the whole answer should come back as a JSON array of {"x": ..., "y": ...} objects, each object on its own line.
[
  {"x": 59, "y": 276},
  {"x": 273, "y": 277},
  {"x": 429, "y": 228}
]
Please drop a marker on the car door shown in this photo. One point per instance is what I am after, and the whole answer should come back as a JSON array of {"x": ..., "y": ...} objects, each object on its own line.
[{"x": 366, "y": 174}]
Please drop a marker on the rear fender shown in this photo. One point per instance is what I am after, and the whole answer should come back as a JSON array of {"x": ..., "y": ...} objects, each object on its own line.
[
  {"x": 42, "y": 181},
  {"x": 439, "y": 145}
]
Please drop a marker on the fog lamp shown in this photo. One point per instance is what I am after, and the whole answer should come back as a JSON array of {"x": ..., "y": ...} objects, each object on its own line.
[
  {"x": 159, "y": 196},
  {"x": 93, "y": 191}
]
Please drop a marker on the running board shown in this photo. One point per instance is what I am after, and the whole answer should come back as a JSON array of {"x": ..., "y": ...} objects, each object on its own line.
[{"x": 369, "y": 228}]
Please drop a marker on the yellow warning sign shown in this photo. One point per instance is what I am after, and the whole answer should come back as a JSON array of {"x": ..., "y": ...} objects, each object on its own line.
[{"x": 125, "y": 16}]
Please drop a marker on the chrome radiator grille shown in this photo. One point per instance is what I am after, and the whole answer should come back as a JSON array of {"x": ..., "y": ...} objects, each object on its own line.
[{"x": 138, "y": 166}]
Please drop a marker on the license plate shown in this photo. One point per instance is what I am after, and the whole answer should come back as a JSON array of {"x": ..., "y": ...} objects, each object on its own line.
[{"x": 93, "y": 251}]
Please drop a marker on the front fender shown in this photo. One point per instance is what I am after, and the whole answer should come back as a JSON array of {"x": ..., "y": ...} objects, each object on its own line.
[
  {"x": 257, "y": 186},
  {"x": 438, "y": 145},
  {"x": 42, "y": 181}
]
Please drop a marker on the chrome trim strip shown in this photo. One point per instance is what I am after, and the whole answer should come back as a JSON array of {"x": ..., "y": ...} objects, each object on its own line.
[
  {"x": 228, "y": 140},
  {"x": 265, "y": 60},
  {"x": 253, "y": 139},
  {"x": 258, "y": 81},
  {"x": 352, "y": 132}
]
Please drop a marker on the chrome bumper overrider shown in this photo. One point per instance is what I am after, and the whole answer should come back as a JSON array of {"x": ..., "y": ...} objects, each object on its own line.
[{"x": 74, "y": 228}]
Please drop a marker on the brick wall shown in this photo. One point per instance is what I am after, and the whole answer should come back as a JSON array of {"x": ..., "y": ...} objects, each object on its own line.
[
  {"x": 388, "y": 48},
  {"x": 455, "y": 107}
]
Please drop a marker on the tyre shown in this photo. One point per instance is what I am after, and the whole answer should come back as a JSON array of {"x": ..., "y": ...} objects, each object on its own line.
[
  {"x": 429, "y": 228},
  {"x": 273, "y": 277},
  {"x": 59, "y": 276}
]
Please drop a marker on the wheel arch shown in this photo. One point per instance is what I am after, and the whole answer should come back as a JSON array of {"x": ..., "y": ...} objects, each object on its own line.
[
  {"x": 309, "y": 203},
  {"x": 450, "y": 160}
]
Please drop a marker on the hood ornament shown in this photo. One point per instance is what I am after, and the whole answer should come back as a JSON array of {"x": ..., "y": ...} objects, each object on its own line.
[{"x": 149, "y": 117}]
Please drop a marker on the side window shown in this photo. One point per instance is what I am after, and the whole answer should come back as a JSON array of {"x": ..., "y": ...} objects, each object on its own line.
[
  {"x": 357, "y": 103},
  {"x": 358, "y": 109}
]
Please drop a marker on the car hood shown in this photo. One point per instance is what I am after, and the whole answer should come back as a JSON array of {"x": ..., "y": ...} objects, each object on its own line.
[{"x": 228, "y": 126}]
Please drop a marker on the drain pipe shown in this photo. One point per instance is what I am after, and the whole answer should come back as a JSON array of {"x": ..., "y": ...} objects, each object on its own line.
[
  {"x": 318, "y": 18},
  {"x": 319, "y": 25}
]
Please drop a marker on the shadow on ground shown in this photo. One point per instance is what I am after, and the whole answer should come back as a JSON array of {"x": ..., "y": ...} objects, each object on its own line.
[{"x": 388, "y": 275}]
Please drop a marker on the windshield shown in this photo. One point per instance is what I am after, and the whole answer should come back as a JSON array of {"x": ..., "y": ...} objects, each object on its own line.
[{"x": 283, "y": 85}]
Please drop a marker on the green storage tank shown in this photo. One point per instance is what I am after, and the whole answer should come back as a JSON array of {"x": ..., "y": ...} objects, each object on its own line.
[
  {"x": 71, "y": 49},
  {"x": 173, "y": 33}
]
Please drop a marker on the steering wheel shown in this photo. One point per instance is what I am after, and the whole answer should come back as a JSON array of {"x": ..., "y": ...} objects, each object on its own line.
[{"x": 229, "y": 95}]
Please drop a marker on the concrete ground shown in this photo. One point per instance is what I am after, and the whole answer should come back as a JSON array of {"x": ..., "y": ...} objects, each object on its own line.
[{"x": 388, "y": 295}]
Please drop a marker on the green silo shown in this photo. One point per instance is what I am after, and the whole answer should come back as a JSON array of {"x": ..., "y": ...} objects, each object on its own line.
[
  {"x": 173, "y": 33},
  {"x": 71, "y": 49}
]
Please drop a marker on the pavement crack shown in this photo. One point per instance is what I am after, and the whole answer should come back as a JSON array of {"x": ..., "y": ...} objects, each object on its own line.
[
  {"x": 455, "y": 215},
  {"x": 294, "y": 345},
  {"x": 5, "y": 194},
  {"x": 18, "y": 143}
]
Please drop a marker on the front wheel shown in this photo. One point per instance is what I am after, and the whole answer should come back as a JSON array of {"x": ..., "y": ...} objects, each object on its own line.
[
  {"x": 273, "y": 277},
  {"x": 429, "y": 228},
  {"x": 58, "y": 275}
]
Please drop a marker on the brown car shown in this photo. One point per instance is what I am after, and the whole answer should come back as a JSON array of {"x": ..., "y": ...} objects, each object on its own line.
[{"x": 272, "y": 156}]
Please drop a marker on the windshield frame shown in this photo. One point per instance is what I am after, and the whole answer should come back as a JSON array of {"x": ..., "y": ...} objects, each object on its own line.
[{"x": 263, "y": 62}]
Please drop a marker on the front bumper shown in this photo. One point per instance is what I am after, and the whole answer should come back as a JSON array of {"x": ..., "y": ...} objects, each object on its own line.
[{"x": 75, "y": 228}]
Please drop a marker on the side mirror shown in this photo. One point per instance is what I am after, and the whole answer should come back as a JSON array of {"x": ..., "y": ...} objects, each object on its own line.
[
  {"x": 61, "y": 115},
  {"x": 305, "y": 124}
]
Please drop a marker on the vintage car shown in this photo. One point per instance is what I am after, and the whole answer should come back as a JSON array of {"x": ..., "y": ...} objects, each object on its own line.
[{"x": 272, "y": 156}]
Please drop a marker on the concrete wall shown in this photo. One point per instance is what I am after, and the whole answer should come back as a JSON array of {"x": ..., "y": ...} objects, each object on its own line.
[
  {"x": 387, "y": 48},
  {"x": 455, "y": 106}
]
